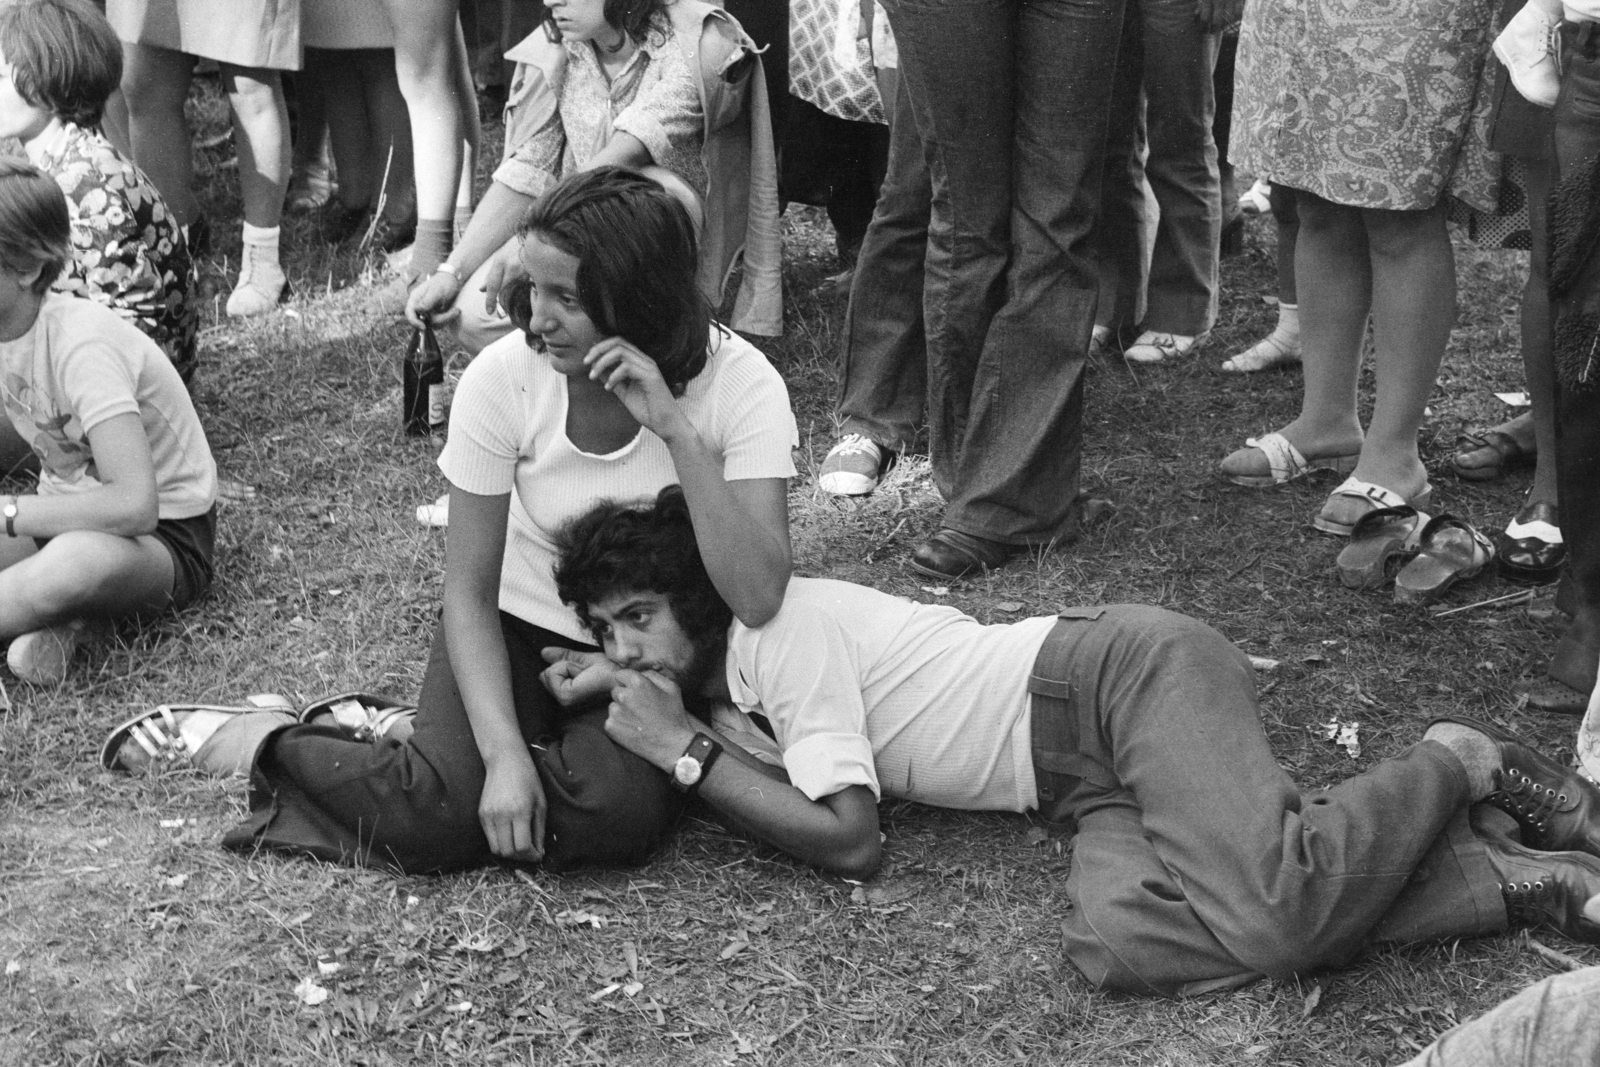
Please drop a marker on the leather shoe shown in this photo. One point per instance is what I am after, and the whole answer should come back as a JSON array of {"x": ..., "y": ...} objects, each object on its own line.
[
  {"x": 1547, "y": 694},
  {"x": 1557, "y": 810},
  {"x": 1531, "y": 560},
  {"x": 1560, "y": 889},
  {"x": 950, "y": 553}
]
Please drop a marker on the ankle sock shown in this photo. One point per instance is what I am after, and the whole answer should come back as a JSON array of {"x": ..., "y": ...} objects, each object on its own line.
[
  {"x": 432, "y": 246},
  {"x": 1477, "y": 753},
  {"x": 1288, "y": 328},
  {"x": 264, "y": 238}
]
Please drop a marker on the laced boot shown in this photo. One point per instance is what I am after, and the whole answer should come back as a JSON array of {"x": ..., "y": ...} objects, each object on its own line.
[
  {"x": 261, "y": 280},
  {"x": 1557, "y": 809},
  {"x": 1559, "y": 889}
]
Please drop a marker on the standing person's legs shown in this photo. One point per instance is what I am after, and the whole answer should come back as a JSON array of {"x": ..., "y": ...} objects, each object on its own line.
[
  {"x": 430, "y": 62},
  {"x": 261, "y": 128},
  {"x": 1016, "y": 480},
  {"x": 414, "y": 804},
  {"x": 155, "y": 84},
  {"x": 883, "y": 374},
  {"x": 1282, "y": 345},
  {"x": 1122, "y": 228},
  {"x": 1182, "y": 168}
]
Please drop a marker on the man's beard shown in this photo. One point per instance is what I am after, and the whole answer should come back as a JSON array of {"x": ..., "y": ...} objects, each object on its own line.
[{"x": 708, "y": 658}]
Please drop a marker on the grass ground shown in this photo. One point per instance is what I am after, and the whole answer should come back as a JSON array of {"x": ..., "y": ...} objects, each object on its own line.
[{"x": 128, "y": 937}]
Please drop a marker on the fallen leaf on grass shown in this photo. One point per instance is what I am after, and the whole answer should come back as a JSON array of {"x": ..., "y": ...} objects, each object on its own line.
[
  {"x": 327, "y": 967},
  {"x": 632, "y": 989},
  {"x": 1009, "y": 606},
  {"x": 309, "y": 992},
  {"x": 1313, "y": 998},
  {"x": 601, "y": 994},
  {"x": 177, "y": 881},
  {"x": 517, "y": 947},
  {"x": 465, "y": 1005},
  {"x": 936, "y": 590},
  {"x": 881, "y": 895},
  {"x": 1036, "y": 835},
  {"x": 733, "y": 948},
  {"x": 1262, "y": 663},
  {"x": 13, "y": 967},
  {"x": 579, "y": 917}
]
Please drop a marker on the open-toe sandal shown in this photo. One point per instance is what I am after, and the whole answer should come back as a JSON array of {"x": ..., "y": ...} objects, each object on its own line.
[
  {"x": 1285, "y": 463},
  {"x": 1508, "y": 452},
  {"x": 171, "y": 736},
  {"x": 362, "y": 716},
  {"x": 1372, "y": 497},
  {"x": 1380, "y": 542},
  {"x": 1450, "y": 551}
]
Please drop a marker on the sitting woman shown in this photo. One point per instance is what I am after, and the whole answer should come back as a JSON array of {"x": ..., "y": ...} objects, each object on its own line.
[
  {"x": 618, "y": 385},
  {"x": 124, "y": 518},
  {"x": 63, "y": 61},
  {"x": 608, "y": 82}
]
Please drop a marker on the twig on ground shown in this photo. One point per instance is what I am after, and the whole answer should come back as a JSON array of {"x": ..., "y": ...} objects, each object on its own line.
[
  {"x": 885, "y": 542},
  {"x": 1246, "y": 565},
  {"x": 1509, "y": 600},
  {"x": 1560, "y": 959}
]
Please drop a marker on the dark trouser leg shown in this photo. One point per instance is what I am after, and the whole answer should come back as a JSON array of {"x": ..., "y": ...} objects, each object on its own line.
[
  {"x": 1575, "y": 306},
  {"x": 884, "y": 379},
  {"x": 1182, "y": 168},
  {"x": 1159, "y": 712},
  {"x": 1121, "y": 236},
  {"x": 1011, "y": 101},
  {"x": 414, "y": 805}
]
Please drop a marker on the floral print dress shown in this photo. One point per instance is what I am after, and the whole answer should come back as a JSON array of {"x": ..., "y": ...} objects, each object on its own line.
[
  {"x": 128, "y": 252},
  {"x": 1369, "y": 103}
]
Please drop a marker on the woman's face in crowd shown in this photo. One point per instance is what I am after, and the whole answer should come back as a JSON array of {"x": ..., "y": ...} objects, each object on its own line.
[
  {"x": 18, "y": 118},
  {"x": 555, "y": 316},
  {"x": 583, "y": 20}
]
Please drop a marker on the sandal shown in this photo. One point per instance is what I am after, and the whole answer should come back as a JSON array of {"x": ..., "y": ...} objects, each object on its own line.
[
  {"x": 182, "y": 735},
  {"x": 1508, "y": 453},
  {"x": 1285, "y": 463},
  {"x": 1380, "y": 542},
  {"x": 1450, "y": 551},
  {"x": 361, "y": 716},
  {"x": 1375, "y": 496},
  {"x": 1547, "y": 694}
]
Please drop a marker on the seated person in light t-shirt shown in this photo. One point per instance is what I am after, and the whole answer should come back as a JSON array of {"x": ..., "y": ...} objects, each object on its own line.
[
  {"x": 1198, "y": 864},
  {"x": 617, "y": 384},
  {"x": 124, "y": 518}
]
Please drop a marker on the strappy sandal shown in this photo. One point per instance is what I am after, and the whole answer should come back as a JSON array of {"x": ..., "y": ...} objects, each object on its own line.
[
  {"x": 1285, "y": 463},
  {"x": 1450, "y": 551},
  {"x": 1380, "y": 542},
  {"x": 167, "y": 737},
  {"x": 1508, "y": 453},
  {"x": 1374, "y": 496},
  {"x": 362, "y": 716}
]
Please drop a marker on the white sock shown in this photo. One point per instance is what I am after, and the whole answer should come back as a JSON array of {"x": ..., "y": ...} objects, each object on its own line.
[
  {"x": 263, "y": 238},
  {"x": 1288, "y": 328},
  {"x": 1479, "y": 755}
]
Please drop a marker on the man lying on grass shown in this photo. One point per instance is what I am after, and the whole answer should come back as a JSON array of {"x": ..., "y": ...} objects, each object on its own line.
[{"x": 1197, "y": 863}]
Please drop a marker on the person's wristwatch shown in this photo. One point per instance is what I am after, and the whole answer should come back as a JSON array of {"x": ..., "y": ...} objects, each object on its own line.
[
  {"x": 10, "y": 513},
  {"x": 691, "y": 768}
]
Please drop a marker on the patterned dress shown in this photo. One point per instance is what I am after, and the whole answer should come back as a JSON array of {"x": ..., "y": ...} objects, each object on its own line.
[
  {"x": 1370, "y": 103},
  {"x": 128, "y": 252}
]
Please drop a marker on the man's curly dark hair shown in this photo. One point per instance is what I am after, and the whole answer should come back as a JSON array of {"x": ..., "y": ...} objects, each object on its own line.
[{"x": 618, "y": 548}]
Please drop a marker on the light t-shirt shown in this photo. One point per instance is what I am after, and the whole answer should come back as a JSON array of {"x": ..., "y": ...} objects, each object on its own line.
[
  {"x": 911, "y": 700},
  {"x": 508, "y": 434},
  {"x": 82, "y": 364}
]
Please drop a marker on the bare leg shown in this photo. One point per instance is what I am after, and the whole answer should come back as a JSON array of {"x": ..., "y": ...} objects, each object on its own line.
[
  {"x": 78, "y": 574},
  {"x": 261, "y": 125},
  {"x": 1334, "y": 262},
  {"x": 155, "y": 83}
]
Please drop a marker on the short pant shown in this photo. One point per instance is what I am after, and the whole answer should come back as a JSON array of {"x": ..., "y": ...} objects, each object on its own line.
[{"x": 192, "y": 544}]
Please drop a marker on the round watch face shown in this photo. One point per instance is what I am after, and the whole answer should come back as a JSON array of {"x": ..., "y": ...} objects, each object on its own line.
[{"x": 686, "y": 771}]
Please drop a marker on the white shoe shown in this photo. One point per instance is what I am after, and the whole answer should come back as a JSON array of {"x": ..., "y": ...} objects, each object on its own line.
[
  {"x": 1257, "y": 200},
  {"x": 854, "y": 466},
  {"x": 43, "y": 656},
  {"x": 1528, "y": 47},
  {"x": 436, "y": 514},
  {"x": 1153, "y": 347},
  {"x": 261, "y": 284}
]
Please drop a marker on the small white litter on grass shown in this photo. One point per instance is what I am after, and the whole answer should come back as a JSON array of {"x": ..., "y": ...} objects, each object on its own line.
[
  {"x": 1347, "y": 735},
  {"x": 309, "y": 992}
]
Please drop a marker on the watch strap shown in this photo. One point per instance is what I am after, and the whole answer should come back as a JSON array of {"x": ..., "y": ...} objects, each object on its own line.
[
  {"x": 11, "y": 516},
  {"x": 703, "y": 750}
]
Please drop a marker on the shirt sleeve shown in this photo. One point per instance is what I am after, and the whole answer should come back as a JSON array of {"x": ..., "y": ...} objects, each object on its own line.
[
  {"x": 756, "y": 429},
  {"x": 667, "y": 113},
  {"x": 531, "y": 168},
  {"x": 805, "y": 672},
  {"x": 98, "y": 382},
  {"x": 485, "y": 440}
]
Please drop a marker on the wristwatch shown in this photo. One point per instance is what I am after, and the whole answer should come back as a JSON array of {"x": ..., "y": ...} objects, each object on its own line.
[
  {"x": 10, "y": 513},
  {"x": 696, "y": 760}
]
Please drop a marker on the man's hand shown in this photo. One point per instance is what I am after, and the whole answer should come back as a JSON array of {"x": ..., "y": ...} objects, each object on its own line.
[
  {"x": 575, "y": 677},
  {"x": 505, "y": 270},
  {"x": 1217, "y": 15},
  {"x": 647, "y": 717},
  {"x": 512, "y": 809}
]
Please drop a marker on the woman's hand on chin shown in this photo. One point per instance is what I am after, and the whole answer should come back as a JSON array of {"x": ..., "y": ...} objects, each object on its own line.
[{"x": 633, "y": 378}]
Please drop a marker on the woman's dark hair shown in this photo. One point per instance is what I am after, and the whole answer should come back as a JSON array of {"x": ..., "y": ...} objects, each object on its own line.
[
  {"x": 635, "y": 247},
  {"x": 636, "y": 18},
  {"x": 617, "y": 549},
  {"x": 35, "y": 229},
  {"x": 64, "y": 56}
]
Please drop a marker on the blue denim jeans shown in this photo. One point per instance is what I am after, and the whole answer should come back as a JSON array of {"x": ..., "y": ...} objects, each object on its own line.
[
  {"x": 883, "y": 381},
  {"x": 1011, "y": 99},
  {"x": 1548, "y": 1023}
]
